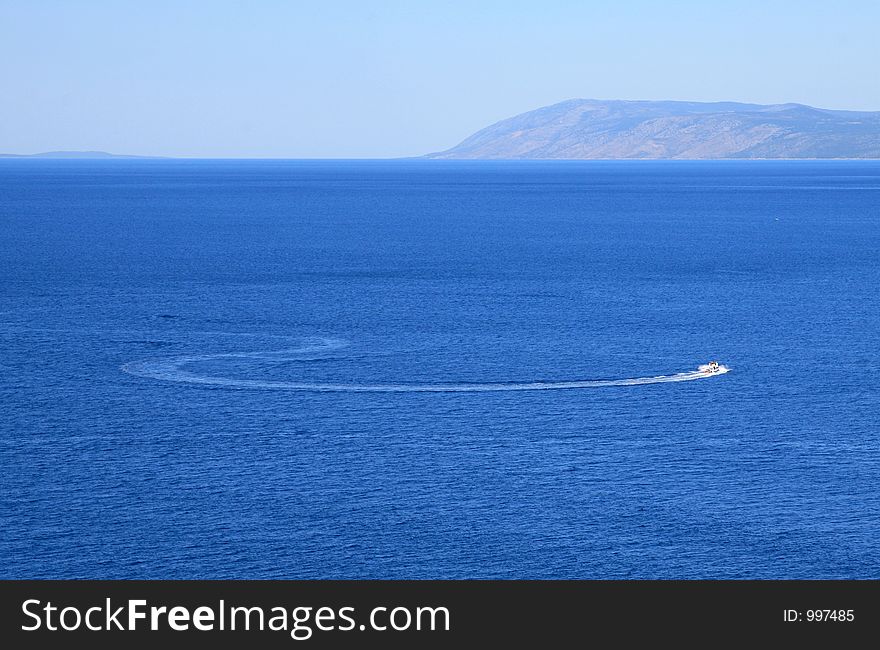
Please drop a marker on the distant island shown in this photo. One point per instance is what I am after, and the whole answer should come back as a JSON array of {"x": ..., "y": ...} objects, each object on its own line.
[
  {"x": 583, "y": 129},
  {"x": 84, "y": 155}
]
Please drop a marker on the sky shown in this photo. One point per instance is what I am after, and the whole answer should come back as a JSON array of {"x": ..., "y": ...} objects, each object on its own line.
[{"x": 376, "y": 79}]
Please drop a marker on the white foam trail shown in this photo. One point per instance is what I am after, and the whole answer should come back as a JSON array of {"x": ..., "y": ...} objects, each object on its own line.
[{"x": 172, "y": 370}]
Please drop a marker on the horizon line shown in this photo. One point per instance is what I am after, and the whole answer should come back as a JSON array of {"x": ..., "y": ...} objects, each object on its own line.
[{"x": 108, "y": 157}]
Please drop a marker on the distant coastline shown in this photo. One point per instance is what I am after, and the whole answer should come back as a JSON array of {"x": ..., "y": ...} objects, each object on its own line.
[
  {"x": 75, "y": 155},
  {"x": 610, "y": 130}
]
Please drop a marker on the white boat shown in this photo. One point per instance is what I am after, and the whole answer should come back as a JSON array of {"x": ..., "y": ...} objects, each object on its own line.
[{"x": 711, "y": 368}]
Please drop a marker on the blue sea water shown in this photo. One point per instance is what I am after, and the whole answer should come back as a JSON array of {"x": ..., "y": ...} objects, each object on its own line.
[{"x": 237, "y": 281}]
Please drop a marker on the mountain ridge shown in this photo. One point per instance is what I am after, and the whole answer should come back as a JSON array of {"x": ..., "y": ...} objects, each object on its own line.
[{"x": 584, "y": 129}]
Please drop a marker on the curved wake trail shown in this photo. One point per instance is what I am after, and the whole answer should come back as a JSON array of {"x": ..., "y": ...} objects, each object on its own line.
[{"x": 173, "y": 370}]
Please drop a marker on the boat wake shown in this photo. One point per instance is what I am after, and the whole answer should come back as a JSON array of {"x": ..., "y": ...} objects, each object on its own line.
[{"x": 174, "y": 369}]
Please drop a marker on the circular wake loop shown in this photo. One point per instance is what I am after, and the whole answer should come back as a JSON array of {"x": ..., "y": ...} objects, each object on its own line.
[{"x": 173, "y": 369}]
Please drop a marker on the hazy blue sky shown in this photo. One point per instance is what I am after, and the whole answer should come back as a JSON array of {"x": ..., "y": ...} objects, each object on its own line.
[{"x": 277, "y": 78}]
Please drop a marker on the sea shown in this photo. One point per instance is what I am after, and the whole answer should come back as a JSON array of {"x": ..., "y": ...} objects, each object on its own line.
[{"x": 439, "y": 369}]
